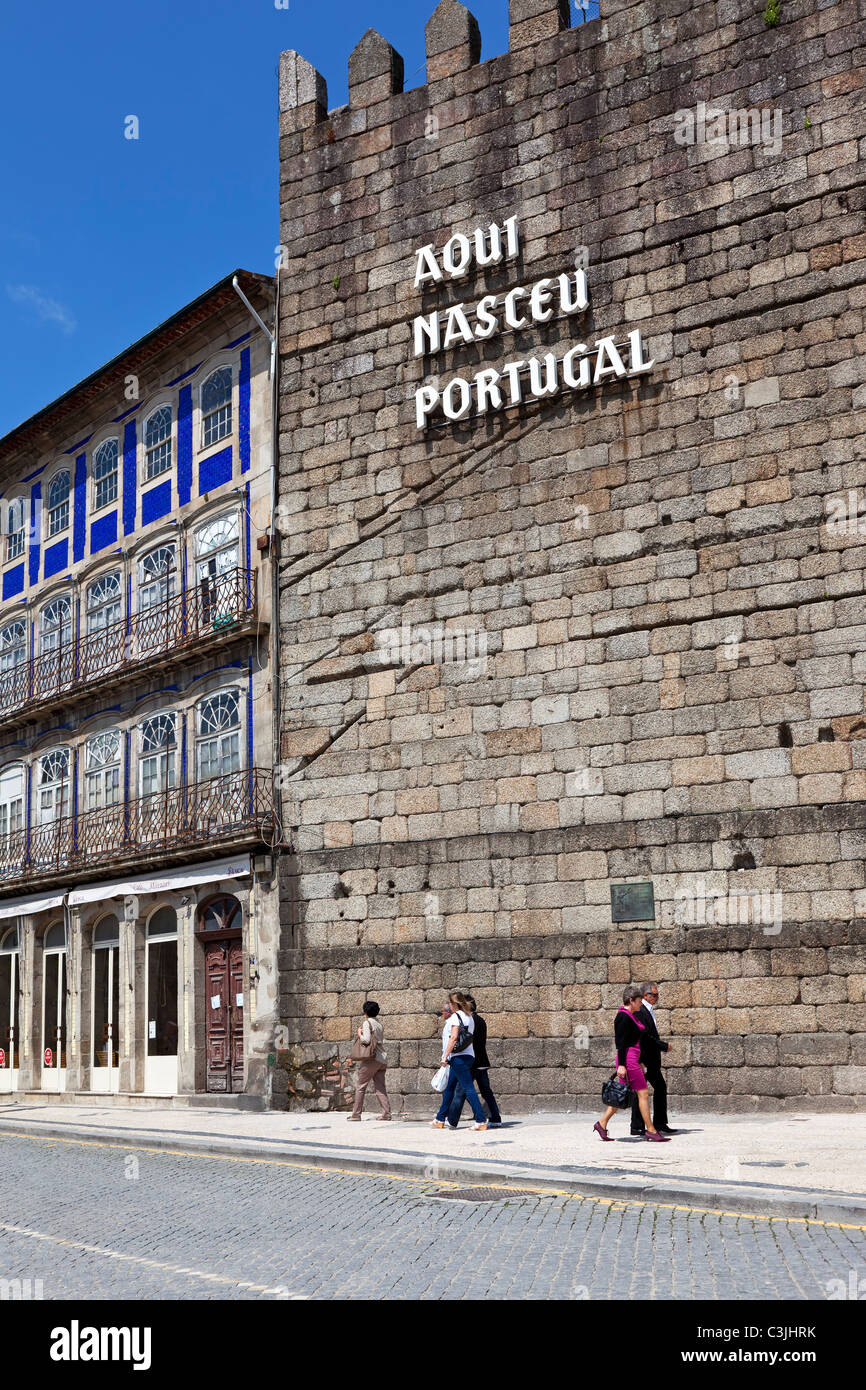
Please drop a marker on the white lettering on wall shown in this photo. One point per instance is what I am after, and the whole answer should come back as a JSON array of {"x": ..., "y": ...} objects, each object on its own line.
[{"x": 580, "y": 369}]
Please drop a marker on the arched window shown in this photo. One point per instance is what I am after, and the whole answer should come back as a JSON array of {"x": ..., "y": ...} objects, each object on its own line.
[
  {"x": 105, "y": 474},
  {"x": 218, "y": 732},
  {"x": 53, "y": 785},
  {"x": 102, "y": 770},
  {"x": 11, "y": 800},
  {"x": 13, "y": 646},
  {"x": 107, "y": 933},
  {"x": 55, "y": 626},
  {"x": 9, "y": 988},
  {"x": 157, "y": 753},
  {"x": 55, "y": 938},
  {"x": 53, "y": 1002},
  {"x": 221, "y": 914},
  {"x": 58, "y": 502},
  {"x": 156, "y": 577},
  {"x": 103, "y": 602},
  {"x": 14, "y": 515},
  {"x": 104, "y": 1000},
  {"x": 216, "y": 406},
  {"x": 163, "y": 922},
  {"x": 161, "y": 976},
  {"x": 13, "y": 669},
  {"x": 216, "y": 546},
  {"x": 157, "y": 443}
]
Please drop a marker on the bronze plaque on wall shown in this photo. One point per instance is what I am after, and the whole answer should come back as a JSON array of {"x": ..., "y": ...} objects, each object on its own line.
[{"x": 632, "y": 902}]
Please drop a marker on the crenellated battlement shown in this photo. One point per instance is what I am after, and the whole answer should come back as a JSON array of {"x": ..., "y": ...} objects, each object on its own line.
[{"x": 376, "y": 74}]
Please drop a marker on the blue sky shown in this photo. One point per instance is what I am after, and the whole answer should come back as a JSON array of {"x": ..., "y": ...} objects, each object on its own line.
[{"x": 101, "y": 237}]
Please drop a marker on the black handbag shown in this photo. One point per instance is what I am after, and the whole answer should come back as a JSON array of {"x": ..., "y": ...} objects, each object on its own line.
[
  {"x": 464, "y": 1035},
  {"x": 616, "y": 1092}
]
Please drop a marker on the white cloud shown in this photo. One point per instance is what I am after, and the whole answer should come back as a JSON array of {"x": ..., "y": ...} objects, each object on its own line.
[{"x": 47, "y": 309}]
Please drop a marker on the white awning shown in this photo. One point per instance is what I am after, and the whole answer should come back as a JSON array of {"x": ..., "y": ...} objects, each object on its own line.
[
  {"x": 22, "y": 907},
  {"x": 167, "y": 882}
]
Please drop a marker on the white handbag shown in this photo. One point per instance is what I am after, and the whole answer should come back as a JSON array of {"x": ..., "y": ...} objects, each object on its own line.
[{"x": 440, "y": 1080}]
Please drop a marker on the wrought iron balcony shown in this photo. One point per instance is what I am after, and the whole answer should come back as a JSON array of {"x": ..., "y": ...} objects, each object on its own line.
[
  {"x": 227, "y": 811},
  {"x": 217, "y": 608}
]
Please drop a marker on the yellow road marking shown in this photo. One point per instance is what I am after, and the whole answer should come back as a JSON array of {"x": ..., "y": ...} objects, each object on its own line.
[{"x": 428, "y": 1182}]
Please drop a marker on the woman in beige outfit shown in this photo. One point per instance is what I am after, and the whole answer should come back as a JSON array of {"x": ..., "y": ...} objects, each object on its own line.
[{"x": 373, "y": 1068}]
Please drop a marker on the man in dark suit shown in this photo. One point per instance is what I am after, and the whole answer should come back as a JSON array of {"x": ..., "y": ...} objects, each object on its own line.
[{"x": 651, "y": 1049}]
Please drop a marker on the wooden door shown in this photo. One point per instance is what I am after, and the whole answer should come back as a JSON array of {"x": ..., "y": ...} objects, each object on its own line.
[
  {"x": 217, "y": 1015},
  {"x": 236, "y": 1014}
]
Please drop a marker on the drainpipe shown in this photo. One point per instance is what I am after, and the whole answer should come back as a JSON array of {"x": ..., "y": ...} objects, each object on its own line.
[{"x": 275, "y": 578}]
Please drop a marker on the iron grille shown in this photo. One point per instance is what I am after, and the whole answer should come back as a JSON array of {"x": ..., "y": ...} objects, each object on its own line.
[
  {"x": 216, "y": 605},
  {"x": 238, "y": 806}
]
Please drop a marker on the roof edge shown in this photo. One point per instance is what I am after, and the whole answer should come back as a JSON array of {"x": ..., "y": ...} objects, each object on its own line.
[{"x": 62, "y": 405}]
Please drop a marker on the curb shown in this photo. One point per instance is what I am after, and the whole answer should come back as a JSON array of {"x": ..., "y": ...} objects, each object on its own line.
[{"x": 784, "y": 1203}]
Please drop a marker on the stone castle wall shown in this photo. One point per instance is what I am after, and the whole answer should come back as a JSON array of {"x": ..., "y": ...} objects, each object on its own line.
[{"x": 662, "y": 575}]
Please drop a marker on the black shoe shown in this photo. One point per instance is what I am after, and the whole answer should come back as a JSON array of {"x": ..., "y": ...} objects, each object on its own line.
[
  {"x": 638, "y": 1133},
  {"x": 664, "y": 1129}
]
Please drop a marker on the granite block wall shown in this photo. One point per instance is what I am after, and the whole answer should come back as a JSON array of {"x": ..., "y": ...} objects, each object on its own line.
[{"x": 609, "y": 634}]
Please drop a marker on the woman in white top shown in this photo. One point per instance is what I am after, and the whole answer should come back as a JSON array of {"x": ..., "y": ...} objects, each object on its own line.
[
  {"x": 371, "y": 1068},
  {"x": 459, "y": 1021}
]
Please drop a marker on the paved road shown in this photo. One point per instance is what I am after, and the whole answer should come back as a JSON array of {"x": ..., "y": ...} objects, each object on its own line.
[{"x": 95, "y": 1221}]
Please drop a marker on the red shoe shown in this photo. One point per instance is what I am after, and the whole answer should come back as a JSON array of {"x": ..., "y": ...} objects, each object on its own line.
[
  {"x": 602, "y": 1132},
  {"x": 657, "y": 1138}
]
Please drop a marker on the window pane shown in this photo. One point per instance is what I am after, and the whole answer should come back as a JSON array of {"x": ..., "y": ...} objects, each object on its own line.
[
  {"x": 162, "y": 999},
  {"x": 106, "y": 1023}
]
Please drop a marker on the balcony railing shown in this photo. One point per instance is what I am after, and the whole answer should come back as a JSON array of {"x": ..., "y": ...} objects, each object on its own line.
[
  {"x": 233, "y": 809},
  {"x": 216, "y": 606}
]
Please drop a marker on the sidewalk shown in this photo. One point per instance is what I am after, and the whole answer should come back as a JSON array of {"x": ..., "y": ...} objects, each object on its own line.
[{"x": 798, "y": 1165}]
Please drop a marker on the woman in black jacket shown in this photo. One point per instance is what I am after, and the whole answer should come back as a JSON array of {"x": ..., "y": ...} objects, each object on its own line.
[
  {"x": 627, "y": 1030},
  {"x": 480, "y": 1069}
]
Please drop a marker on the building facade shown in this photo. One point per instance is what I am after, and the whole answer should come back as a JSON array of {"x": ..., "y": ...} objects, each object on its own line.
[
  {"x": 571, "y": 593},
  {"x": 138, "y": 922}
]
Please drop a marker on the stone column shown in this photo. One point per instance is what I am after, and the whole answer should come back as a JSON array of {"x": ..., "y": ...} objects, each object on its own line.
[
  {"x": 29, "y": 1006},
  {"x": 78, "y": 974},
  {"x": 186, "y": 1001},
  {"x": 132, "y": 1004}
]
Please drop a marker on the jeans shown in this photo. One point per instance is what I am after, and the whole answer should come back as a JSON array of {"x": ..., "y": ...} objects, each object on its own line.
[
  {"x": 482, "y": 1076},
  {"x": 461, "y": 1075}
]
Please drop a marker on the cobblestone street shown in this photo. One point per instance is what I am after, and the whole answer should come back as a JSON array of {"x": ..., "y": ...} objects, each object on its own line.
[{"x": 94, "y": 1221}]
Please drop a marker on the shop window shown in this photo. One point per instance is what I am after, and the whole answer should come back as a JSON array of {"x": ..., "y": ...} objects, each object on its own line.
[
  {"x": 54, "y": 998},
  {"x": 162, "y": 1029},
  {"x": 106, "y": 1000},
  {"x": 9, "y": 987}
]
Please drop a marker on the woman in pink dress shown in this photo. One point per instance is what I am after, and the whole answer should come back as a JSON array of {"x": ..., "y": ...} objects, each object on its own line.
[{"x": 627, "y": 1032}]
